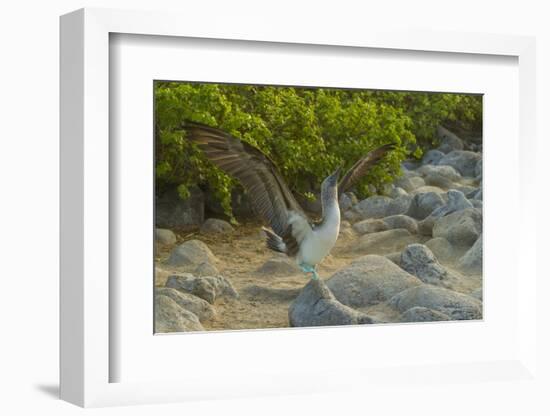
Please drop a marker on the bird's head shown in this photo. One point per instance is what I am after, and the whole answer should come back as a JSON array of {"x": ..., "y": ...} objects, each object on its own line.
[{"x": 329, "y": 187}]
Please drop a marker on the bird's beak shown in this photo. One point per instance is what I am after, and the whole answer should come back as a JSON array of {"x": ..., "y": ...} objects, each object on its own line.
[{"x": 335, "y": 175}]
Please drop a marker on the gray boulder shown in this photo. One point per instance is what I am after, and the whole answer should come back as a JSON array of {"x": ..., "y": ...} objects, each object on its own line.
[
  {"x": 216, "y": 226},
  {"x": 478, "y": 294},
  {"x": 381, "y": 206},
  {"x": 170, "y": 317},
  {"x": 317, "y": 306},
  {"x": 447, "y": 172},
  {"x": 352, "y": 216},
  {"x": 409, "y": 183},
  {"x": 441, "y": 248},
  {"x": 472, "y": 261},
  {"x": 478, "y": 171},
  {"x": 426, "y": 189},
  {"x": 397, "y": 192},
  {"x": 461, "y": 228},
  {"x": 164, "y": 236},
  {"x": 271, "y": 294},
  {"x": 384, "y": 241},
  {"x": 279, "y": 266},
  {"x": 478, "y": 195},
  {"x": 448, "y": 140},
  {"x": 421, "y": 314},
  {"x": 173, "y": 212},
  {"x": 206, "y": 269},
  {"x": 431, "y": 157},
  {"x": 434, "y": 179},
  {"x": 401, "y": 221},
  {"x": 190, "y": 254},
  {"x": 424, "y": 204},
  {"x": 370, "y": 226},
  {"x": 418, "y": 260},
  {"x": 208, "y": 288},
  {"x": 456, "y": 201},
  {"x": 476, "y": 203},
  {"x": 347, "y": 200},
  {"x": 201, "y": 308},
  {"x": 463, "y": 161},
  {"x": 369, "y": 280},
  {"x": 453, "y": 304}
]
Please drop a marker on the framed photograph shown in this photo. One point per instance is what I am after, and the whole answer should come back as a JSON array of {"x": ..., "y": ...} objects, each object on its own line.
[{"x": 251, "y": 205}]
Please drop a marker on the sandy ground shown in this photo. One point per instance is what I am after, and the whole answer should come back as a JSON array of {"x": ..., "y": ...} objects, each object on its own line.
[{"x": 264, "y": 300}]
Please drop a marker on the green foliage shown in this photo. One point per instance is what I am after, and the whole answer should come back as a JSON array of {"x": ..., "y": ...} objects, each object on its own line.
[{"x": 308, "y": 132}]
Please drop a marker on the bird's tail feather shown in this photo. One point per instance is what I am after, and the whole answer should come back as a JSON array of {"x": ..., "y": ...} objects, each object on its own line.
[{"x": 273, "y": 241}]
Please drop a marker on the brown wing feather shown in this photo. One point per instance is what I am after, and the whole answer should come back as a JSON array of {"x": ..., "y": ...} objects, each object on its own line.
[
  {"x": 270, "y": 196},
  {"x": 361, "y": 167}
]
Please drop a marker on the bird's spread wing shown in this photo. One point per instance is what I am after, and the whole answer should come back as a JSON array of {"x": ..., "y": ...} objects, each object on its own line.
[
  {"x": 269, "y": 194},
  {"x": 361, "y": 167}
]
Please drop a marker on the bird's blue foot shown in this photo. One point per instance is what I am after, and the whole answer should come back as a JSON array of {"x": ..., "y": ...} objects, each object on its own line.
[{"x": 306, "y": 268}]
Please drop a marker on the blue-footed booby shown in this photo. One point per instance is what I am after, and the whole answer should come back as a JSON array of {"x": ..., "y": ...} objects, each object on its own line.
[{"x": 292, "y": 232}]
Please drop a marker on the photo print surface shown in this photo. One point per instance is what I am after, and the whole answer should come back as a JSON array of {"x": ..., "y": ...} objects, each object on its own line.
[{"x": 281, "y": 207}]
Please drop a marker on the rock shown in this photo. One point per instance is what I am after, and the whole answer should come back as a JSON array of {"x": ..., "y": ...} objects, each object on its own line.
[
  {"x": 394, "y": 257},
  {"x": 441, "y": 248},
  {"x": 464, "y": 161},
  {"x": 201, "y": 308},
  {"x": 431, "y": 157},
  {"x": 424, "y": 204},
  {"x": 460, "y": 228},
  {"x": 425, "y": 226},
  {"x": 369, "y": 280},
  {"x": 279, "y": 266},
  {"x": 384, "y": 242},
  {"x": 317, "y": 306},
  {"x": 216, "y": 226},
  {"x": 373, "y": 207},
  {"x": 173, "y": 212},
  {"x": 208, "y": 288},
  {"x": 271, "y": 294},
  {"x": 478, "y": 294},
  {"x": 453, "y": 304},
  {"x": 401, "y": 221},
  {"x": 426, "y": 189},
  {"x": 409, "y": 184},
  {"x": 478, "y": 170},
  {"x": 164, "y": 236},
  {"x": 421, "y": 314},
  {"x": 190, "y": 254},
  {"x": 347, "y": 200},
  {"x": 170, "y": 317},
  {"x": 206, "y": 269},
  {"x": 161, "y": 276},
  {"x": 478, "y": 195},
  {"x": 351, "y": 216},
  {"x": 472, "y": 261},
  {"x": 433, "y": 179},
  {"x": 418, "y": 260},
  {"x": 396, "y": 192},
  {"x": 370, "y": 226},
  {"x": 448, "y": 140},
  {"x": 477, "y": 203},
  {"x": 409, "y": 165},
  {"x": 447, "y": 172},
  {"x": 381, "y": 206},
  {"x": 456, "y": 201}
]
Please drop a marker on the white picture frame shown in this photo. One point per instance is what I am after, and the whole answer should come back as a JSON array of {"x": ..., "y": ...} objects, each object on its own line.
[{"x": 86, "y": 357}]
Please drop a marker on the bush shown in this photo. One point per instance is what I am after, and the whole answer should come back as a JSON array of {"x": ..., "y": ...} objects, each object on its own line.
[{"x": 308, "y": 132}]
